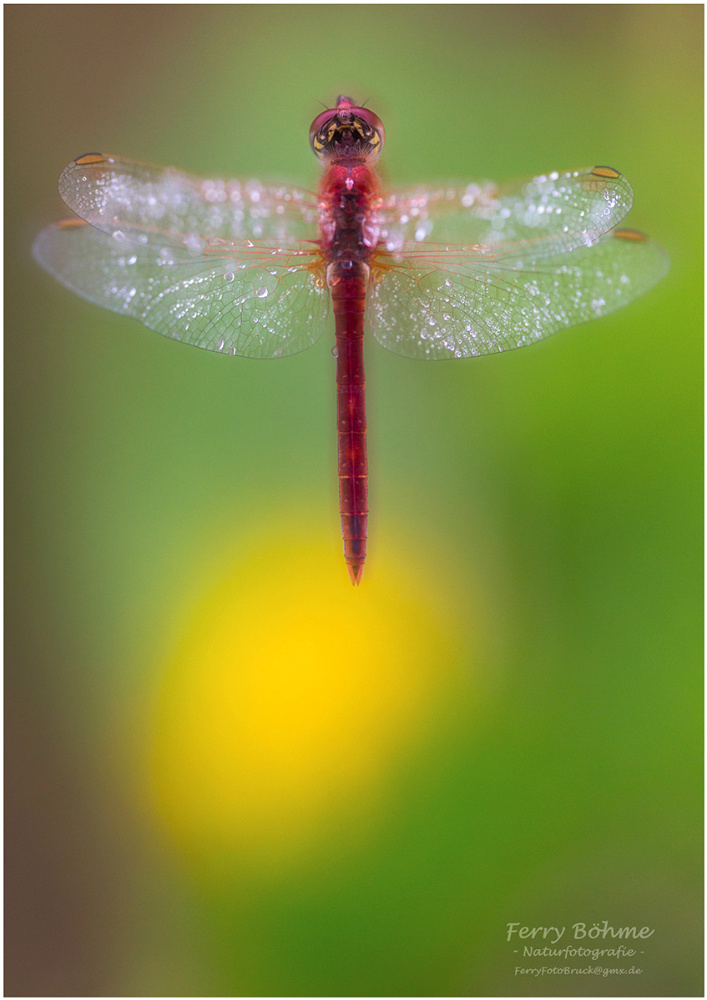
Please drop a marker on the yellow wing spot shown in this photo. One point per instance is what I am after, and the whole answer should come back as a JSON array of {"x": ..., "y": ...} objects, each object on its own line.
[
  {"x": 630, "y": 234},
  {"x": 71, "y": 223},
  {"x": 89, "y": 159},
  {"x": 606, "y": 172}
]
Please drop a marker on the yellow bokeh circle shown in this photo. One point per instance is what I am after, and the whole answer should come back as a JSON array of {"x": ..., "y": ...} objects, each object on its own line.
[{"x": 290, "y": 700}]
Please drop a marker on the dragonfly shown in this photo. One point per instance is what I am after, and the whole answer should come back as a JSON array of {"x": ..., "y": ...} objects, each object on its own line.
[{"x": 252, "y": 269}]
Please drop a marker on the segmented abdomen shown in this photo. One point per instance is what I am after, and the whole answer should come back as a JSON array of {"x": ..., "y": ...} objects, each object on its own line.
[{"x": 349, "y": 299}]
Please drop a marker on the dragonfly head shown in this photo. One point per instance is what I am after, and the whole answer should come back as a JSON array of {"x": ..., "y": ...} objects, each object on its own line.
[{"x": 346, "y": 130}]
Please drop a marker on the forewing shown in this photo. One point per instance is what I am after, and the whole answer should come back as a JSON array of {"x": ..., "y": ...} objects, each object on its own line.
[
  {"x": 113, "y": 193},
  {"x": 560, "y": 211},
  {"x": 446, "y": 302},
  {"x": 261, "y": 301}
]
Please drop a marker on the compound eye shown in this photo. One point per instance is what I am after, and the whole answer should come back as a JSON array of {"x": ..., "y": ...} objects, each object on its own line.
[
  {"x": 346, "y": 129},
  {"x": 319, "y": 132},
  {"x": 329, "y": 127},
  {"x": 374, "y": 123}
]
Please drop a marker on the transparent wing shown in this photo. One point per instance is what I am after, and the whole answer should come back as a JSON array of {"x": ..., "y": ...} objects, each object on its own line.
[
  {"x": 449, "y": 302},
  {"x": 560, "y": 210},
  {"x": 262, "y": 301},
  {"x": 111, "y": 192}
]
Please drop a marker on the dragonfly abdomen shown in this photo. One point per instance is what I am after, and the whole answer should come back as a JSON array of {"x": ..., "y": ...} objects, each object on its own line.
[{"x": 348, "y": 291}]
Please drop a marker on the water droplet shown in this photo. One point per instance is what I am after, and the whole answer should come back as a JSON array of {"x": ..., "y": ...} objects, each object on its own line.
[
  {"x": 335, "y": 352},
  {"x": 262, "y": 293},
  {"x": 229, "y": 276}
]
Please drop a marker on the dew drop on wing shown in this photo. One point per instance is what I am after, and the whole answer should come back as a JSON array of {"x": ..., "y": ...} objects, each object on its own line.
[{"x": 262, "y": 293}]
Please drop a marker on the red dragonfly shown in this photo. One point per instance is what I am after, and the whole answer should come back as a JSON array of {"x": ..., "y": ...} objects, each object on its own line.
[{"x": 251, "y": 269}]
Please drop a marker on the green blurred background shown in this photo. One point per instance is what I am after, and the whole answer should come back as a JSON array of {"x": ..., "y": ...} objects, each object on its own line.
[{"x": 229, "y": 772}]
